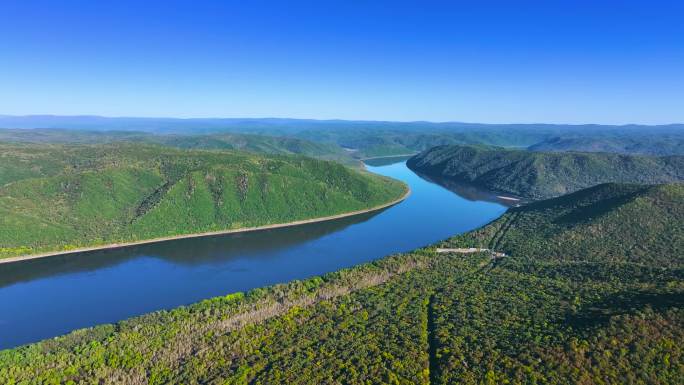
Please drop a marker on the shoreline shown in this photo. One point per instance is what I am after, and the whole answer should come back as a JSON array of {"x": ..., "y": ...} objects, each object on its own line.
[
  {"x": 508, "y": 198},
  {"x": 389, "y": 156},
  {"x": 112, "y": 246}
]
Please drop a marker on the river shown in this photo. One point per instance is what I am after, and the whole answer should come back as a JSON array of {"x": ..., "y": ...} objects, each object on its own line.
[{"x": 47, "y": 297}]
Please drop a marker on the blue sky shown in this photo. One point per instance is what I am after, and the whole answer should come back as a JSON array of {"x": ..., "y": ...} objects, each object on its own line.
[{"x": 478, "y": 61}]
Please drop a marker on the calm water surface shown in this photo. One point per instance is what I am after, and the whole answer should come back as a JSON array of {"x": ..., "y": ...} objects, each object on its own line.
[{"x": 48, "y": 297}]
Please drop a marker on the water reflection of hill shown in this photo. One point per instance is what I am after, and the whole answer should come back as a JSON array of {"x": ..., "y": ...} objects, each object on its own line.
[
  {"x": 471, "y": 192},
  {"x": 189, "y": 251},
  {"x": 386, "y": 160}
]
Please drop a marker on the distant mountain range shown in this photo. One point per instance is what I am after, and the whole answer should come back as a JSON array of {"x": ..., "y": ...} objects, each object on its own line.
[
  {"x": 637, "y": 143},
  {"x": 204, "y": 125},
  {"x": 378, "y": 138}
]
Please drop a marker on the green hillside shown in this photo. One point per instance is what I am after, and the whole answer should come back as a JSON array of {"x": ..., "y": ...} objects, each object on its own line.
[
  {"x": 57, "y": 197},
  {"x": 260, "y": 144},
  {"x": 610, "y": 222},
  {"x": 558, "y": 308},
  {"x": 538, "y": 175}
]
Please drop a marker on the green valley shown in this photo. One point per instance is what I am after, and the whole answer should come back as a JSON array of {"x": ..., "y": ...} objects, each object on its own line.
[
  {"x": 588, "y": 290},
  {"x": 341, "y": 193}
]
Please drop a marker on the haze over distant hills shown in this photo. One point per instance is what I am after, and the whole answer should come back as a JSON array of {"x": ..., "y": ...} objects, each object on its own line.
[
  {"x": 644, "y": 143},
  {"x": 379, "y": 138},
  {"x": 164, "y": 124}
]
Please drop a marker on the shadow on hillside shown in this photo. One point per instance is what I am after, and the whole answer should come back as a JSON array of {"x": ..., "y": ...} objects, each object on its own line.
[{"x": 599, "y": 313}]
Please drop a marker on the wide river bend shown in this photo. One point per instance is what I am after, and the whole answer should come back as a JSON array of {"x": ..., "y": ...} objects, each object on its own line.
[{"x": 47, "y": 297}]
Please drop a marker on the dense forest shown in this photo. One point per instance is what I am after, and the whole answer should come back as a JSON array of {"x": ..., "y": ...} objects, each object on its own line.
[
  {"x": 537, "y": 175},
  {"x": 587, "y": 288},
  {"x": 74, "y": 196}
]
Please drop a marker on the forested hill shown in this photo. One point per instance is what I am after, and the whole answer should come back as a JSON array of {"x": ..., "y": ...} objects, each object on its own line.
[
  {"x": 61, "y": 197},
  {"x": 260, "y": 144},
  {"x": 626, "y": 223},
  {"x": 537, "y": 175}
]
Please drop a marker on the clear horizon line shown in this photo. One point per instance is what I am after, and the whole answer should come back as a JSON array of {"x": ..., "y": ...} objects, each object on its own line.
[{"x": 328, "y": 120}]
